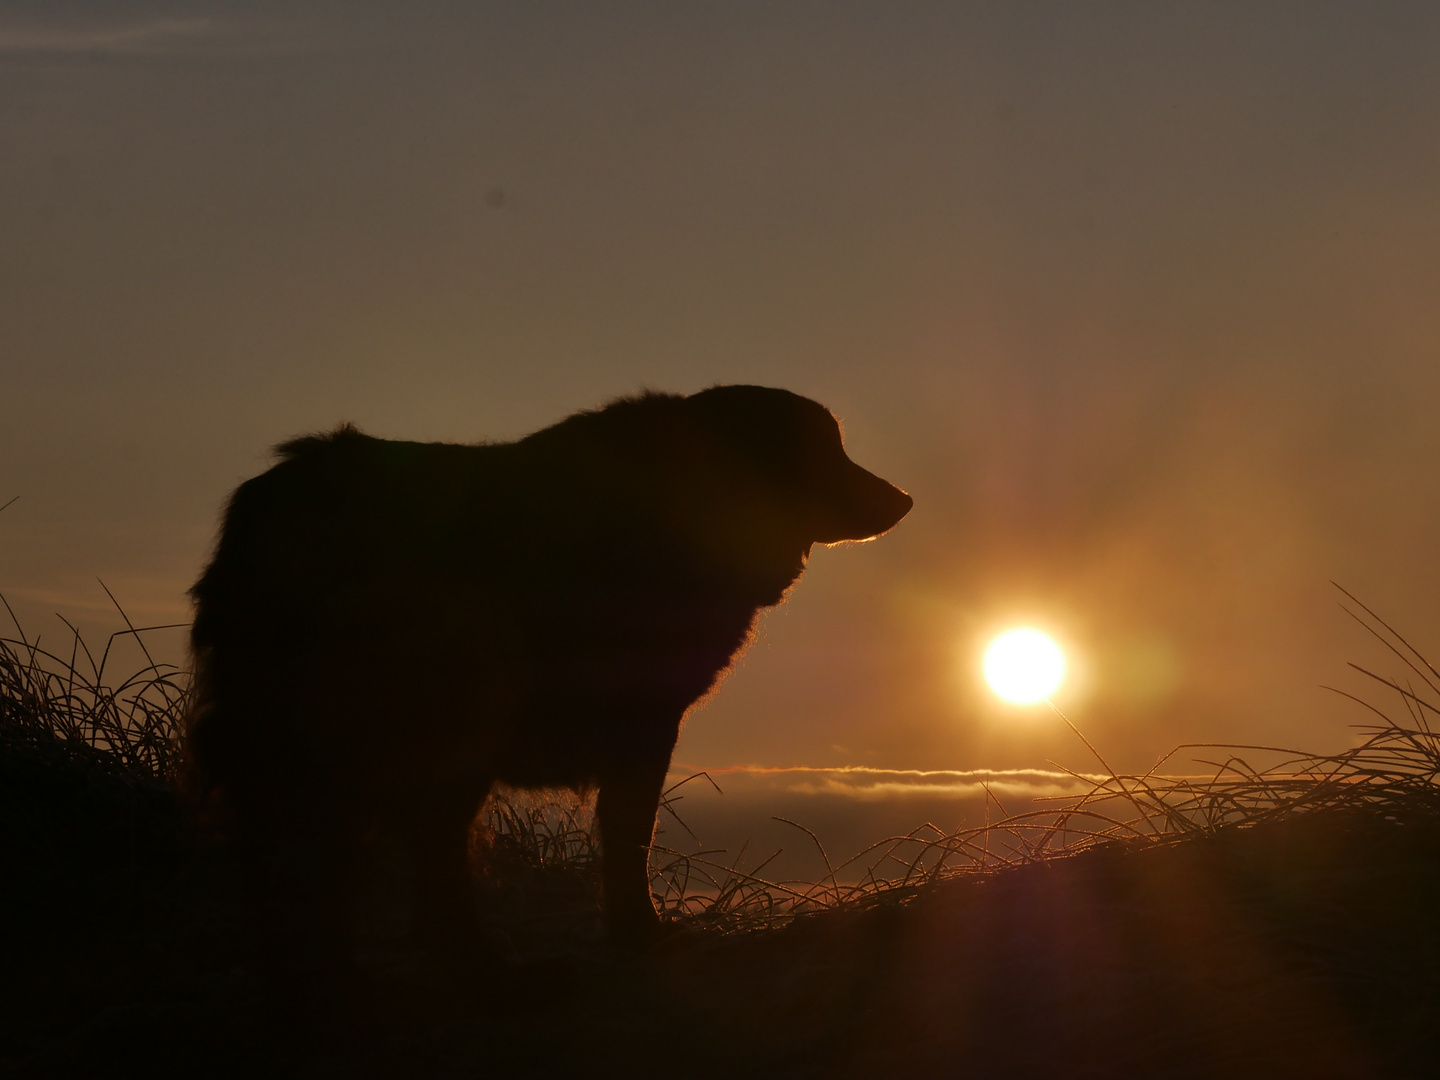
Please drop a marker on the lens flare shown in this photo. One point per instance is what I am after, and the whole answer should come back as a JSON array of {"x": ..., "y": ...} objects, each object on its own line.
[{"x": 1024, "y": 666}]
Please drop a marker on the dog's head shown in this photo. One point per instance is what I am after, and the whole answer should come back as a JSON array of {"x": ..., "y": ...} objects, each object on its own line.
[{"x": 782, "y": 481}]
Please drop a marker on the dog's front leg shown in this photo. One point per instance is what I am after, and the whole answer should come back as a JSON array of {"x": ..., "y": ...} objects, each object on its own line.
[{"x": 628, "y": 801}]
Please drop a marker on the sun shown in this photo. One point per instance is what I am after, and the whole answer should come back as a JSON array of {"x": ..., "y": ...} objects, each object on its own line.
[{"x": 1024, "y": 666}]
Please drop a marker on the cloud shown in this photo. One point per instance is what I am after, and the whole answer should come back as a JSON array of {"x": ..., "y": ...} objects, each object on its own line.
[
  {"x": 861, "y": 782},
  {"x": 153, "y": 37},
  {"x": 87, "y": 605}
]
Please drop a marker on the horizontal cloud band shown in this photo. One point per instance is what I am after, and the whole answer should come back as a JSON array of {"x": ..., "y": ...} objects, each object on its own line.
[{"x": 861, "y": 782}]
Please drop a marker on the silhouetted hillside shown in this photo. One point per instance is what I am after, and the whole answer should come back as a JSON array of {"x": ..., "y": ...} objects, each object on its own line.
[{"x": 1273, "y": 923}]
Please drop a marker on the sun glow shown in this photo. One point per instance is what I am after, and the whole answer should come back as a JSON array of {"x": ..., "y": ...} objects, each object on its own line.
[{"x": 1024, "y": 666}]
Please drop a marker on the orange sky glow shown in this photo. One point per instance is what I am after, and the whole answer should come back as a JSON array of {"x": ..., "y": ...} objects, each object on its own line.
[{"x": 1136, "y": 300}]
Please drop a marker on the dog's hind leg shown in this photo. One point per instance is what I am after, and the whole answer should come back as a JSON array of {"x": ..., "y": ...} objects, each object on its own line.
[
  {"x": 436, "y": 827},
  {"x": 294, "y": 856}
]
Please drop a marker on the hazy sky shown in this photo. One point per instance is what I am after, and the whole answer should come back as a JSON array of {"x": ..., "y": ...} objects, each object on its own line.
[{"x": 1138, "y": 300}]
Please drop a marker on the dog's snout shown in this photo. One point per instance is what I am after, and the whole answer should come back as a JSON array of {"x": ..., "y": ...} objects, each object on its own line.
[
  {"x": 890, "y": 506},
  {"x": 901, "y": 503},
  {"x": 866, "y": 507}
]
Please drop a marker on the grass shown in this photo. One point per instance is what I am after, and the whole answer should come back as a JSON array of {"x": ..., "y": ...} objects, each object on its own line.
[
  {"x": 87, "y": 766},
  {"x": 60, "y": 711},
  {"x": 69, "y": 698},
  {"x": 1318, "y": 855}
]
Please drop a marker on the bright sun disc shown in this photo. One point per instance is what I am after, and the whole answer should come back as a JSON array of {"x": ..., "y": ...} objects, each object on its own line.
[{"x": 1024, "y": 666}]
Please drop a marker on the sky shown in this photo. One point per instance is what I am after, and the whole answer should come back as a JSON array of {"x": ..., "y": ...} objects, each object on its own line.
[{"x": 1137, "y": 300}]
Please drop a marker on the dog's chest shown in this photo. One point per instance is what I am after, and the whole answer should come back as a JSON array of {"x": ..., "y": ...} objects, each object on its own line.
[{"x": 606, "y": 645}]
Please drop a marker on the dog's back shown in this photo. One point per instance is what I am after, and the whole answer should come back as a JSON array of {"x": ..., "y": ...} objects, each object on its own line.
[{"x": 554, "y": 570}]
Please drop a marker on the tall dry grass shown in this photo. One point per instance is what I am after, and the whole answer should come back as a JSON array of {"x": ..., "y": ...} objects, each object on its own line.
[
  {"x": 69, "y": 696},
  {"x": 62, "y": 715}
]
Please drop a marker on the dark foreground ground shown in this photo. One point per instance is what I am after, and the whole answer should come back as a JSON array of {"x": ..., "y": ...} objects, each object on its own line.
[{"x": 1305, "y": 948}]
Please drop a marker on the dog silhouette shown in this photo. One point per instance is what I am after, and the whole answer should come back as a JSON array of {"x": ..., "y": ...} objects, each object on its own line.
[{"x": 388, "y": 628}]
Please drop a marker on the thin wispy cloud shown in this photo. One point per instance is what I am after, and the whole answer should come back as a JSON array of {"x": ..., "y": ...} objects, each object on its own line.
[
  {"x": 861, "y": 782},
  {"x": 85, "y": 603},
  {"x": 153, "y": 37}
]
